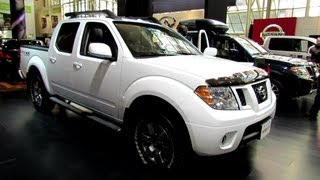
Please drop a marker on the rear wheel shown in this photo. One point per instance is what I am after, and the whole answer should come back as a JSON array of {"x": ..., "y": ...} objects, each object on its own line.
[{"x": 38, "y": 93}]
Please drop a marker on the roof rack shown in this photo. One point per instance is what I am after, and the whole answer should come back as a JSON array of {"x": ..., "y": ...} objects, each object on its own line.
[
  {"x": 147, "y": 18},
  {"x": 106, "y": 12}
]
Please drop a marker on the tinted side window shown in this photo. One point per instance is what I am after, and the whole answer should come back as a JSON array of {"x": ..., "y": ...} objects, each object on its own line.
[
  {"x": 66, "y": 36},
  {"x": 98, "y": 33},
  {"x": 237, "y": 52},
  {"x": 193, "y": 37},
  {"x": 222, "y": 46},
  {"x": 281, "y": 44}
]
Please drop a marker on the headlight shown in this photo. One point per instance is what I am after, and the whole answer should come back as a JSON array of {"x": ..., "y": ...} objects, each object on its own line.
[
  {"x": 220, "y": 98},
  {"x": 300, "y": 71},
  {"x": 316, "y": 71}
]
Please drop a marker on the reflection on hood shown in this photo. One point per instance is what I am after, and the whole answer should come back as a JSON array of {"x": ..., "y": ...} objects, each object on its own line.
[
  {"x": 241, "y": 78},
  {"x": 286, "y": 59}
]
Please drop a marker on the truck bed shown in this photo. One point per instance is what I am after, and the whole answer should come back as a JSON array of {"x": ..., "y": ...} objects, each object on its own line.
[{"x": 28, "y": 52}]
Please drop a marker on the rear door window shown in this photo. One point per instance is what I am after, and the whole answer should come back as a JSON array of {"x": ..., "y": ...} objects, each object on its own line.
[
  {"x": 66, "y": 36},
  {"x": 281, "y": 44}
]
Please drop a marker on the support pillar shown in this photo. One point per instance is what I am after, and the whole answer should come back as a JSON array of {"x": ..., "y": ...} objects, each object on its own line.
[
  {"x": 216, "y": 10},
  {"x": 18, "y": 19},
  {"x": 137, "y": 8}
]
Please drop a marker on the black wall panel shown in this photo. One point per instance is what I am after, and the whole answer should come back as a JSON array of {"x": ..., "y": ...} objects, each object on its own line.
[
  {"x": 176, "y": 5},
  {"x": 214, "y": 9}
]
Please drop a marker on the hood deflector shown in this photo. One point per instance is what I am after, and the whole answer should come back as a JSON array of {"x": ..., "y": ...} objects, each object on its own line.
[{"x": 241, "y": 78}]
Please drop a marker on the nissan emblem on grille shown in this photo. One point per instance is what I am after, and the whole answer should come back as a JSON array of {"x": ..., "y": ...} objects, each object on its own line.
[{"x": 261, "y": 92}]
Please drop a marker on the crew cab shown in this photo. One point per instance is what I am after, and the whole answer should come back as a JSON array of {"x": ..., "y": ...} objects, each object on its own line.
[
  {"x": 290, "y": 77},
  {"x": 149, "y": 82}
]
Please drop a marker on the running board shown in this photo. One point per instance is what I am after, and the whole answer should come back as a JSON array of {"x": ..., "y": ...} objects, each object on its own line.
[{"x": 82, "y": 111}]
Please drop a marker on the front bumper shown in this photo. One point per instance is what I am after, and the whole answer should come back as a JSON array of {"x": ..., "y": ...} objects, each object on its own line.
[
  {"x": 301, "y": 87},
  {"x": 214, "y": 132}
]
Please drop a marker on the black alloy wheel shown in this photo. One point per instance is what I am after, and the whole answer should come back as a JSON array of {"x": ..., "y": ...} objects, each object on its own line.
[
  {"x": 38, "y": 93},
  {"x": 154, "y": 143},
  {"x": 275, "y": 88}
]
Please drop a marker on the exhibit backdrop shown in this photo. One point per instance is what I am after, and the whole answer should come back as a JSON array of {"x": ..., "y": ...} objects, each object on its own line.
[{"x": 5, "y": 27}]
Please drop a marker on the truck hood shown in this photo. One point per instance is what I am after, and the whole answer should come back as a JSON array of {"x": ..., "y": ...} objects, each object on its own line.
[
  {"x": 295, "y": 61},
  {"x": 210, "y": 68}
]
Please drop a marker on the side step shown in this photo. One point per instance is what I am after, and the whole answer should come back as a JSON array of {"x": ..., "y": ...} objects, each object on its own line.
[{"x": 82, "y": 111}]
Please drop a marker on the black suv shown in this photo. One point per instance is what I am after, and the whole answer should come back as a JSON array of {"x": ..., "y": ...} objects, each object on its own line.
[{"x": 290, "y": 77}]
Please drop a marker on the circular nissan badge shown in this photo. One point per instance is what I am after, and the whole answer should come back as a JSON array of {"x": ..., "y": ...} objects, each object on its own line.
[{"x": 278, "y": 32}]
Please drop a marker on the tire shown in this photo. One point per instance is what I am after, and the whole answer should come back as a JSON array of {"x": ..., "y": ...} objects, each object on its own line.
[
  {"x": 158, "y": 142},
  {"x": 38, "y": 93},
  {"x": 277, "y": 88}
]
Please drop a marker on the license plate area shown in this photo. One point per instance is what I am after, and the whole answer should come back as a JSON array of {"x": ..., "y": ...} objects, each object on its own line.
[{"x": 265, "y": 129}]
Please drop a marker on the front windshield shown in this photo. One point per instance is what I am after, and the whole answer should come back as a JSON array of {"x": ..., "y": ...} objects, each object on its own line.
[
  {"x": 256, "y": 45},
  {"x": 249, "y": 47},
  {"x": 147, "y": 40}
]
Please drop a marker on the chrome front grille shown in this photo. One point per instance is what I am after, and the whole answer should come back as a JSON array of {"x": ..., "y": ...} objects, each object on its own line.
[{"x": 261, "y": 92}]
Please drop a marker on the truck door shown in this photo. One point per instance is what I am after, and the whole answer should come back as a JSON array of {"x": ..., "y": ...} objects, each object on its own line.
[
  {"x": 96, "y": 79},
  {"x": 60, "y": 64}
]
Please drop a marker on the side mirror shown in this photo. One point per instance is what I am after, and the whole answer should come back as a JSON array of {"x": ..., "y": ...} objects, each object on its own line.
[
  {"x": 100, "y": 50},
  {"x": 210, "y": 51}
]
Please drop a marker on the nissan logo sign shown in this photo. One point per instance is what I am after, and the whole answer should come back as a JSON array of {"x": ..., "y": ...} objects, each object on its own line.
[
  {"x": 261, "y": 92},
  {"x": 266, "y": 33}
]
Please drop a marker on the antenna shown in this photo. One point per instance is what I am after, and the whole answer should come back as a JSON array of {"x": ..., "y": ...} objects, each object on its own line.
[{"x": 106, "y": 12}]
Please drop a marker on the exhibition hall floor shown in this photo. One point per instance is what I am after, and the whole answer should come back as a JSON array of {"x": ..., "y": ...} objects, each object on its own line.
[{"x": 65, "y": 146}]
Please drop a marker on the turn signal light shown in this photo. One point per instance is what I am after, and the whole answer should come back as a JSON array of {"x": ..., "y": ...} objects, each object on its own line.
[
  {"x": 268, "y": 69},
  {"x": 4, "y": 55},
  {"x": 294, "y": 69},
  {"x": 204, "y": 93}
]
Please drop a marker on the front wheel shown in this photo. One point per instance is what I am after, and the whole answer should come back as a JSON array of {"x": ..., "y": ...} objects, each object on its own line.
[
  {"x": 277, "y": 88},
  {"x": 38, "y": 93},
  {"x": 158, "y": 143}
]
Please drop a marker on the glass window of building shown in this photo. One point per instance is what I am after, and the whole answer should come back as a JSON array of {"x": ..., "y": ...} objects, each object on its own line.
[
  {"x": 257, "y": 9},
  {"x": 88, "y": 5},
  {"x": 55, "y": 2}
]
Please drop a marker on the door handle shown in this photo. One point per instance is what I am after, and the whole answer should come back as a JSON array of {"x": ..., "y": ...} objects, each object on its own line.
[
  {"x": 299, "y": 56},
  {"x": 52, "y": 60},
  {"x": 77, "y": 65}
]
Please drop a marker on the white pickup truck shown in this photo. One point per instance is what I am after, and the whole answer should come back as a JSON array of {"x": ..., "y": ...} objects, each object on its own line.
[
  {"x": 293, "y": 46},
  {"x": 153, "y": 84}
]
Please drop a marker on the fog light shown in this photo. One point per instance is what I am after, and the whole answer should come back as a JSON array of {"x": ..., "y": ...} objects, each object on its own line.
[
  {"x": 228, "y": 140},
  {"x": 224, "y": 139}
]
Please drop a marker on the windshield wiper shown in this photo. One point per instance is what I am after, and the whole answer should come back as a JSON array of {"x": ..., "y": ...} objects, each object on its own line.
[
  {"x": 153, "y": 54},
  {"x": 185, "y": 53}
]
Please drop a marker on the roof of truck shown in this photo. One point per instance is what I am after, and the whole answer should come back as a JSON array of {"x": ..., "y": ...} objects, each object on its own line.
[
  {"x": 294, "y": 37},
  {"x": 207, "y": 24}
]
